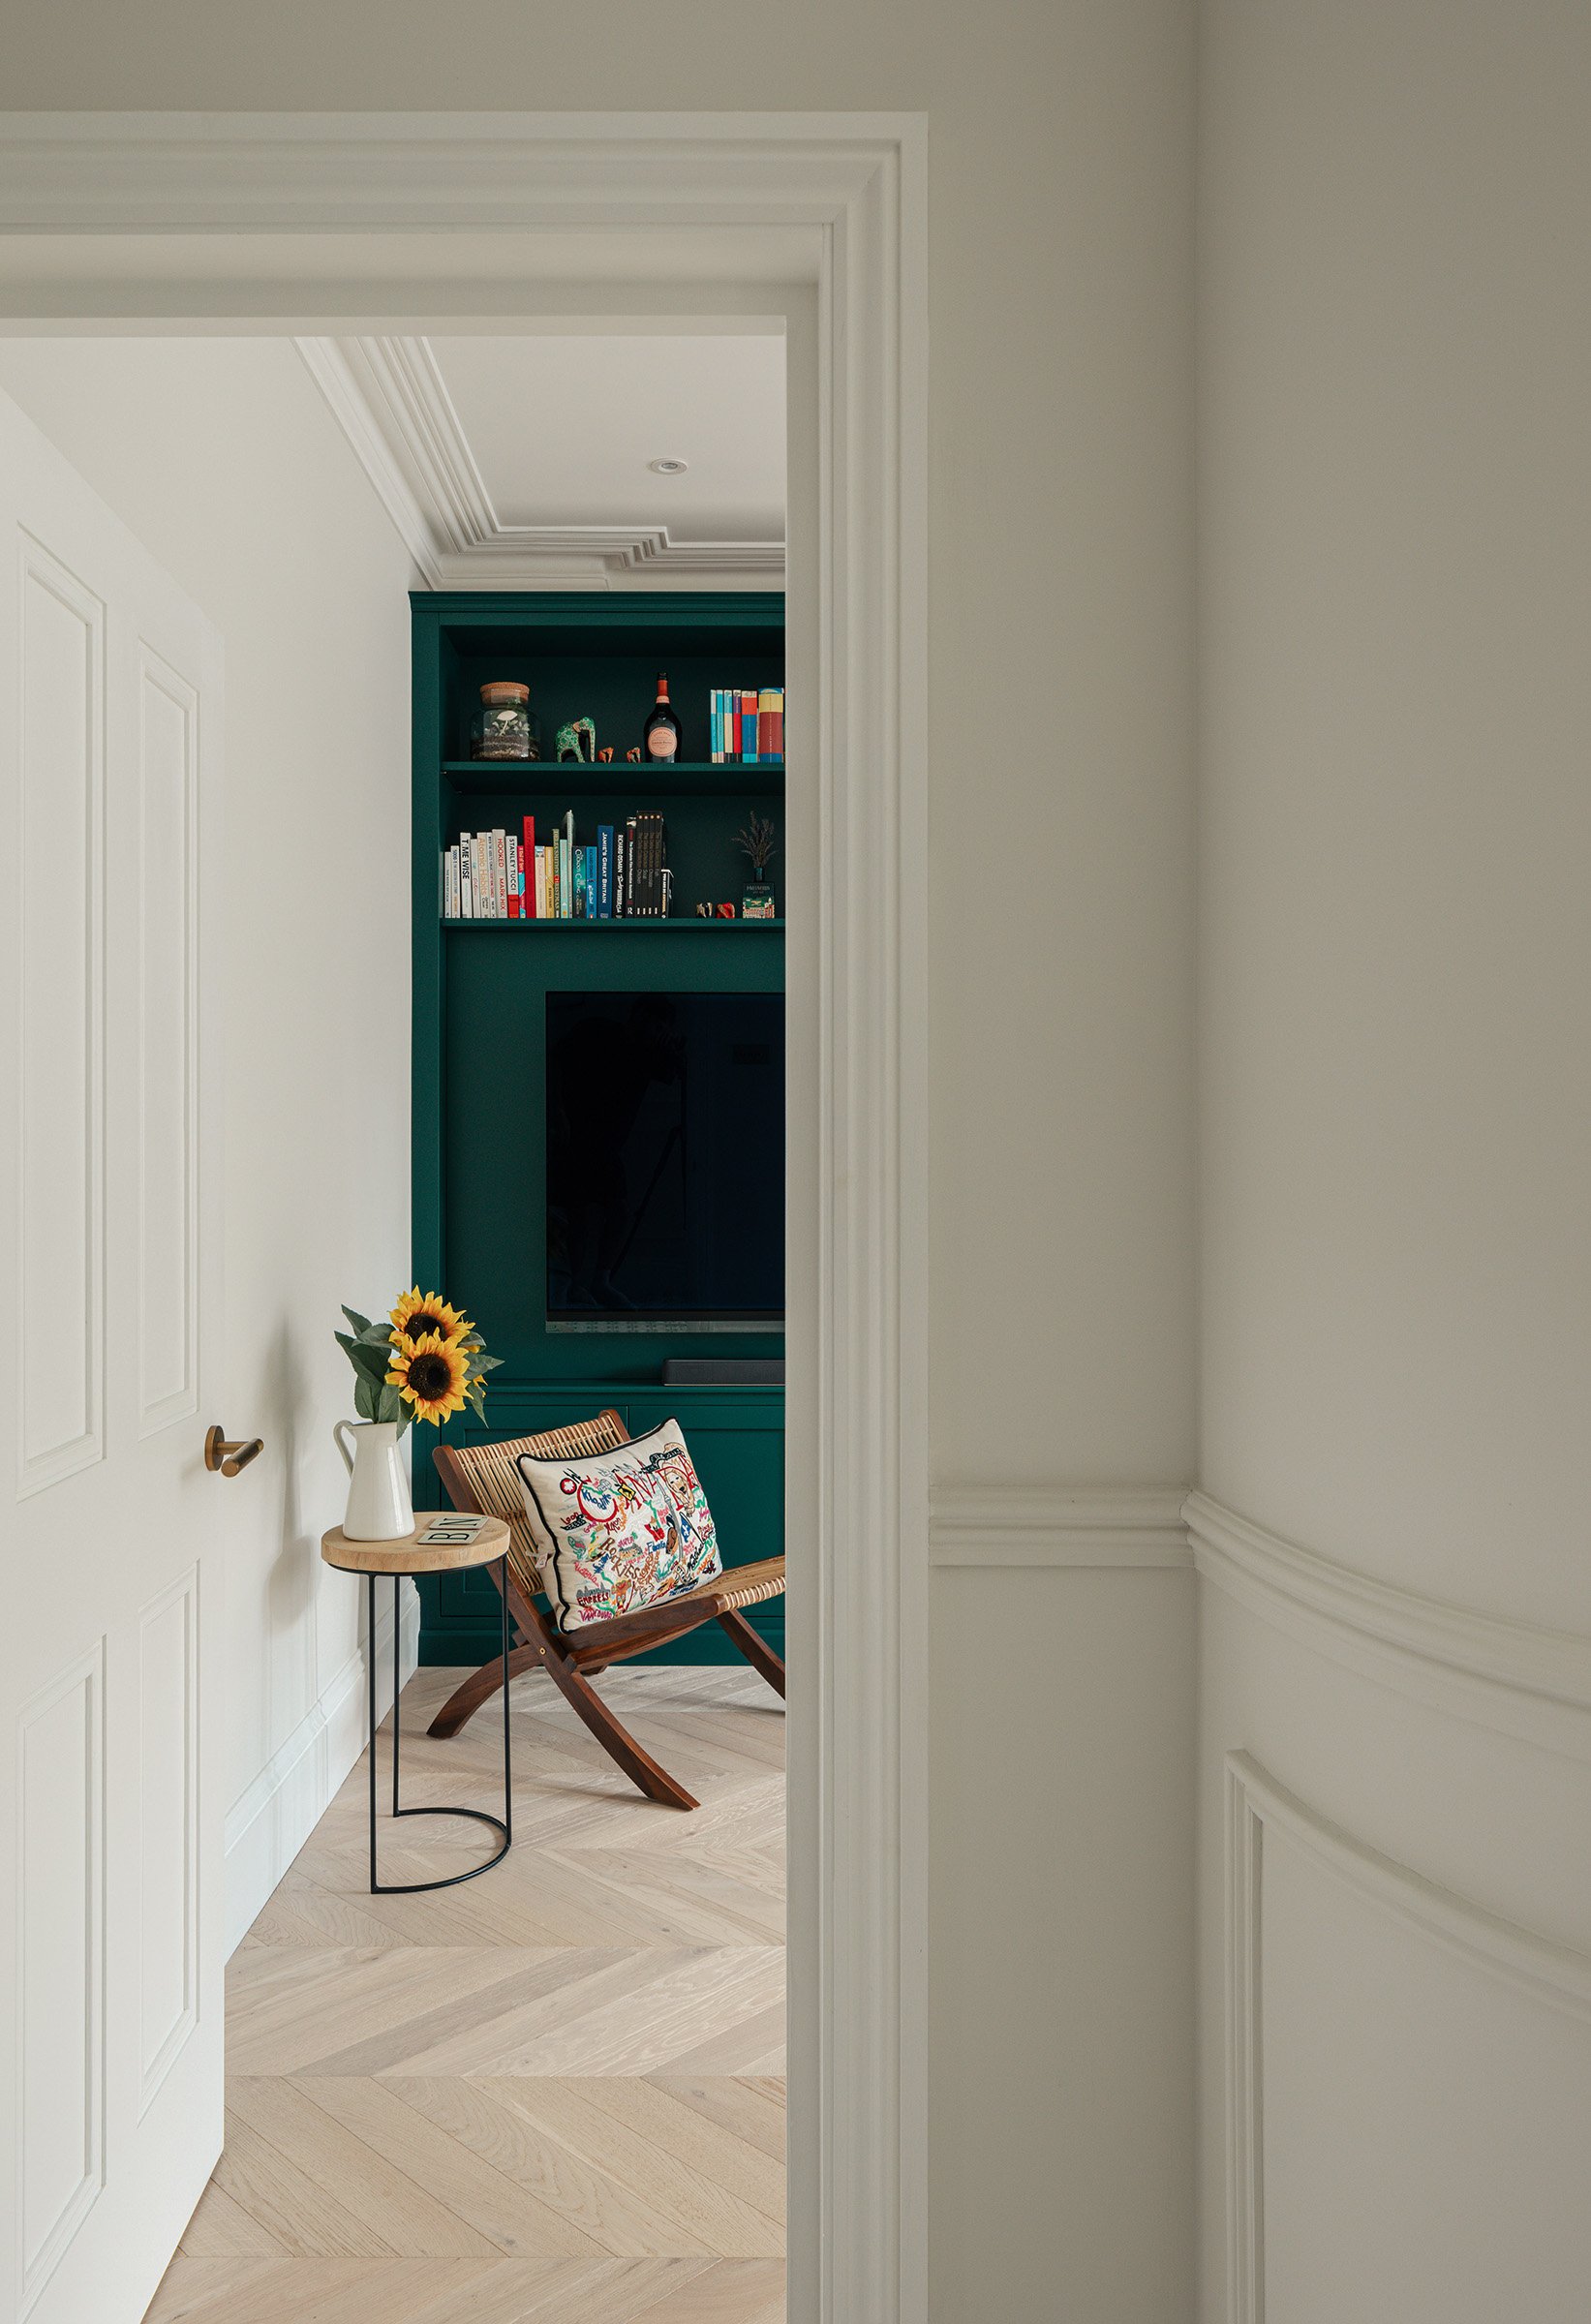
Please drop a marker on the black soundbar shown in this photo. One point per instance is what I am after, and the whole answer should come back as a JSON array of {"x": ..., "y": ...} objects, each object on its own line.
[{"x": 708, "y": 1371}]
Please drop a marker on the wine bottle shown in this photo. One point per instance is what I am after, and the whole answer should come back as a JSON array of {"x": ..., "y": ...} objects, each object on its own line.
[{"x": 660, "y": 735}]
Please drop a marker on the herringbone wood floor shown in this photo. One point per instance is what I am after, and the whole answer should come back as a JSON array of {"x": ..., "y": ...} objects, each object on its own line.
[{"x": 555, "y": 2094}]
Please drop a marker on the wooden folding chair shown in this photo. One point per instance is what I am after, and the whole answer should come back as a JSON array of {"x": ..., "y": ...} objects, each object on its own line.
[{"x": 484, "y": 1478}]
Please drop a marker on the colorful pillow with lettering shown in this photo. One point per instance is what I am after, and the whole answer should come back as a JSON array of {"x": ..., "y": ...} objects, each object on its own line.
[{"x": 615, "y": 1531}]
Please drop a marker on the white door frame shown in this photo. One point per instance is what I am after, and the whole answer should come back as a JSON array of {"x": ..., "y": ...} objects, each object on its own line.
[{"x": 858, "y": 1414}]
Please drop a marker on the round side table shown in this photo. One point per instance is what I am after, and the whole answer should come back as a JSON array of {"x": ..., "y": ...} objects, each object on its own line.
[{"x": 409, "y": 1556}]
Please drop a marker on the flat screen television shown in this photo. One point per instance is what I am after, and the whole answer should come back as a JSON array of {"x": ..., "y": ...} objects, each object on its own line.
[{"x": 665, "y": 1161}]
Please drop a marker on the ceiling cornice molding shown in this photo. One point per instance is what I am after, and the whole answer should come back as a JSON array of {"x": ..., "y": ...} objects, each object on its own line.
[
  {"x": 329, "y": 368},
  {"x": 391, "y": 402}
]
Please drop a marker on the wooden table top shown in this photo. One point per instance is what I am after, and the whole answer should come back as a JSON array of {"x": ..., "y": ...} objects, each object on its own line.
[{"x": 407, "y": 1554}]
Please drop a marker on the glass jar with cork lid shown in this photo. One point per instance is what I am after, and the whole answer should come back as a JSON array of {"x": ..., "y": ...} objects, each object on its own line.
[{"x": 502, "y": 727}]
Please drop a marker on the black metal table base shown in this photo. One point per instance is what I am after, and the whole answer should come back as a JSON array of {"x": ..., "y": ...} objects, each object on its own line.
[{"x": 504, "y": 1823}]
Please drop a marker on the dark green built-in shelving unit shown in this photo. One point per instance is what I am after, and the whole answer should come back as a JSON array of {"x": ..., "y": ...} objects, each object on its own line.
[{"x": 478, "y": 1018}]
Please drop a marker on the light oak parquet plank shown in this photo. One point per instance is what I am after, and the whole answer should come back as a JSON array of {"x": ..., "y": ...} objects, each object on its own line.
[
  {"x": 736, "y": 2291},
  {"x": 712, "y": 2149},
  {"x": 553, "y": 2096},
  {"x": 610, "y": 2292},
  {"x": 750, "y": 2107},
  {"x": 696, "y": 1902},
  {"x": 320, "y": 2291},
  {"x": 693, "y": 2213},
  {"x": 394, "y": 2203},
  {"x": 753, "y": 2046},
  {"x": 473, "y": 2023},
  {"x": 222, "y": 2229},
  {"x": 506, "y": 2211},
  {"x": 709, "y": 2181},
  {"x": 306, "y": 2219},
  {"x": 668, "y": 2017},
  {"x": 193, "y": 2285},
  {"x": 620, "y": 2213}
]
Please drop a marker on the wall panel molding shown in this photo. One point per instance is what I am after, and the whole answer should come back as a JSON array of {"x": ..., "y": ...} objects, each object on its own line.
[
  {"x": 1555, "y": 1976},
  {"x": 1531, "y": 1683},
  {"x": 1059, "y": 1525}
]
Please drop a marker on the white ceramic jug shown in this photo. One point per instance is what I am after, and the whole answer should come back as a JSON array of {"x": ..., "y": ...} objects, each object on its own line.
[{"x": 378, "y": 1507}]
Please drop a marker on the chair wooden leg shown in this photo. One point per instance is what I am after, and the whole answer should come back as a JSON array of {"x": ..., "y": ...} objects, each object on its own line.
[
  {"x": 616, "y": 1740},
  {"x": 478, "y": 1688},
  {"x": 756, "y": 1650}
]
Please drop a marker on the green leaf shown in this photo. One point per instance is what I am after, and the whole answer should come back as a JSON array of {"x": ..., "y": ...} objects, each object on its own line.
[
  {"x": 371, "y": 1364},
  {"x": 360, "y": 1323},
  {"x": 344, "y": 1342},
  {"x": 366, "y": 1398},
  {"x": 377, "y": 1335},
  {"x": 485, "y": 1363},
  {"x": 390, "y": 1406}
]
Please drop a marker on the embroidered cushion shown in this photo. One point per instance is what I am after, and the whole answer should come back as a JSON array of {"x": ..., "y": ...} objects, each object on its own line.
[{"x": 614, "y": 1531}]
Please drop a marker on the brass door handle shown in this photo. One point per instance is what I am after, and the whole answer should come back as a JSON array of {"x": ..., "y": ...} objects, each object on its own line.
[{"x": 230, "y": 1457}]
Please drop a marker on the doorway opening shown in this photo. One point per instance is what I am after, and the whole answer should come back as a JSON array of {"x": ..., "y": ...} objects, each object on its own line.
[{"x": 857, "y": 1499}]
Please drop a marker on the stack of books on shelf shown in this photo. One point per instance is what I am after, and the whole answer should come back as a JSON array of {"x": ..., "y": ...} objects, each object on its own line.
[
  {"x": 747, "y": 725},
  {"x": 622, "y": 875}
]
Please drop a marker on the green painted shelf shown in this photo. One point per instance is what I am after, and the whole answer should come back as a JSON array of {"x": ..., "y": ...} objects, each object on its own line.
[
  {"x": 633, "y": 927},
  {"x": 578, "y": 779}
]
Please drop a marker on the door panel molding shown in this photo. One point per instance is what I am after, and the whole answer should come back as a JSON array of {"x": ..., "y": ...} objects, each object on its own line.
[
  {"x": 169, "y": 717},
  {"x": 59, "y": 916},
  {"x": 60, "y": 1903},
  {"x": 169, "y": 1857}
]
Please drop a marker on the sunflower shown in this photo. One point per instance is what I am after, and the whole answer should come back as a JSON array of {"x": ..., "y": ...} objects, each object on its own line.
[
  {"x": 431, "y": 1375},
  {"x": 419, "y": 1312}
]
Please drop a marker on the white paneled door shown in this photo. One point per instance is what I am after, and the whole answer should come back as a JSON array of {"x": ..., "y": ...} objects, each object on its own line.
[{"x": 109, "y": 1856}]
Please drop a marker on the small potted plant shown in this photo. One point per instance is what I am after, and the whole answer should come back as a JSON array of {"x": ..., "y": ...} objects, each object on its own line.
[
  {"x": 425, "y": 1362},
  {"x": 756, "y": 842}
]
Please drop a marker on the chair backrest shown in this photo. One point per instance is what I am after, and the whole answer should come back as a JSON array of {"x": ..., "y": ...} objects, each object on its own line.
[{"x": 483, "y": 1478}]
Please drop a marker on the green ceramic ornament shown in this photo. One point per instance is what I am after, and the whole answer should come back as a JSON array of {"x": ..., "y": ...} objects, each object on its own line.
[{"x": 568, "y": 741}]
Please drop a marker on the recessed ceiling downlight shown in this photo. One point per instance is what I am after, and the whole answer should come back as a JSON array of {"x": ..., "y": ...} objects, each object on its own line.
[{"x": 668, "y": 468}]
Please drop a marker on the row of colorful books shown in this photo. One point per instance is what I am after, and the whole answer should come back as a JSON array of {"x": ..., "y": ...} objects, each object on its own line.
[
  {"x": 747, "y": 725},
  {"x": 503, "y": 874}
]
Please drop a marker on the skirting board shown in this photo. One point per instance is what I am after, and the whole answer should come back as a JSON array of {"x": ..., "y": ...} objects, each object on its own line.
[
  {"x": 1059, "y": 1525},
  {"x": 267, "y": 1826}
]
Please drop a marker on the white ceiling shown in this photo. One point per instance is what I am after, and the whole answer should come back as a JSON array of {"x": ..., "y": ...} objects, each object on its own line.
[
  {"x": 562, "y": 430},
  {"x": 508, "y": 461}
]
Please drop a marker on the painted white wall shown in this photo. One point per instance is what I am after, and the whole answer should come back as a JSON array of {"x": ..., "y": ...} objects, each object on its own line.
[
  {"x": 1394, "y": 478},
  {"x": 223, "y": 459},
  {"x": 1061, "y": 1265}
]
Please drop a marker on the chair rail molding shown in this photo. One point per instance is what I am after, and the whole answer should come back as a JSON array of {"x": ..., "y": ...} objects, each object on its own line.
[
  {"x": 858, "y": 612},
  {"x": 1557, "y": 1976},
  {"x": 1534, "y": 1684},
  {"x": 390, "y": 399},
  {"x": 1059, "y": 1525}
]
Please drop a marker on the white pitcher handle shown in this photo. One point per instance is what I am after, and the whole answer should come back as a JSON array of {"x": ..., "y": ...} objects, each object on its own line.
[{"x": 337, "y": 1428}]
